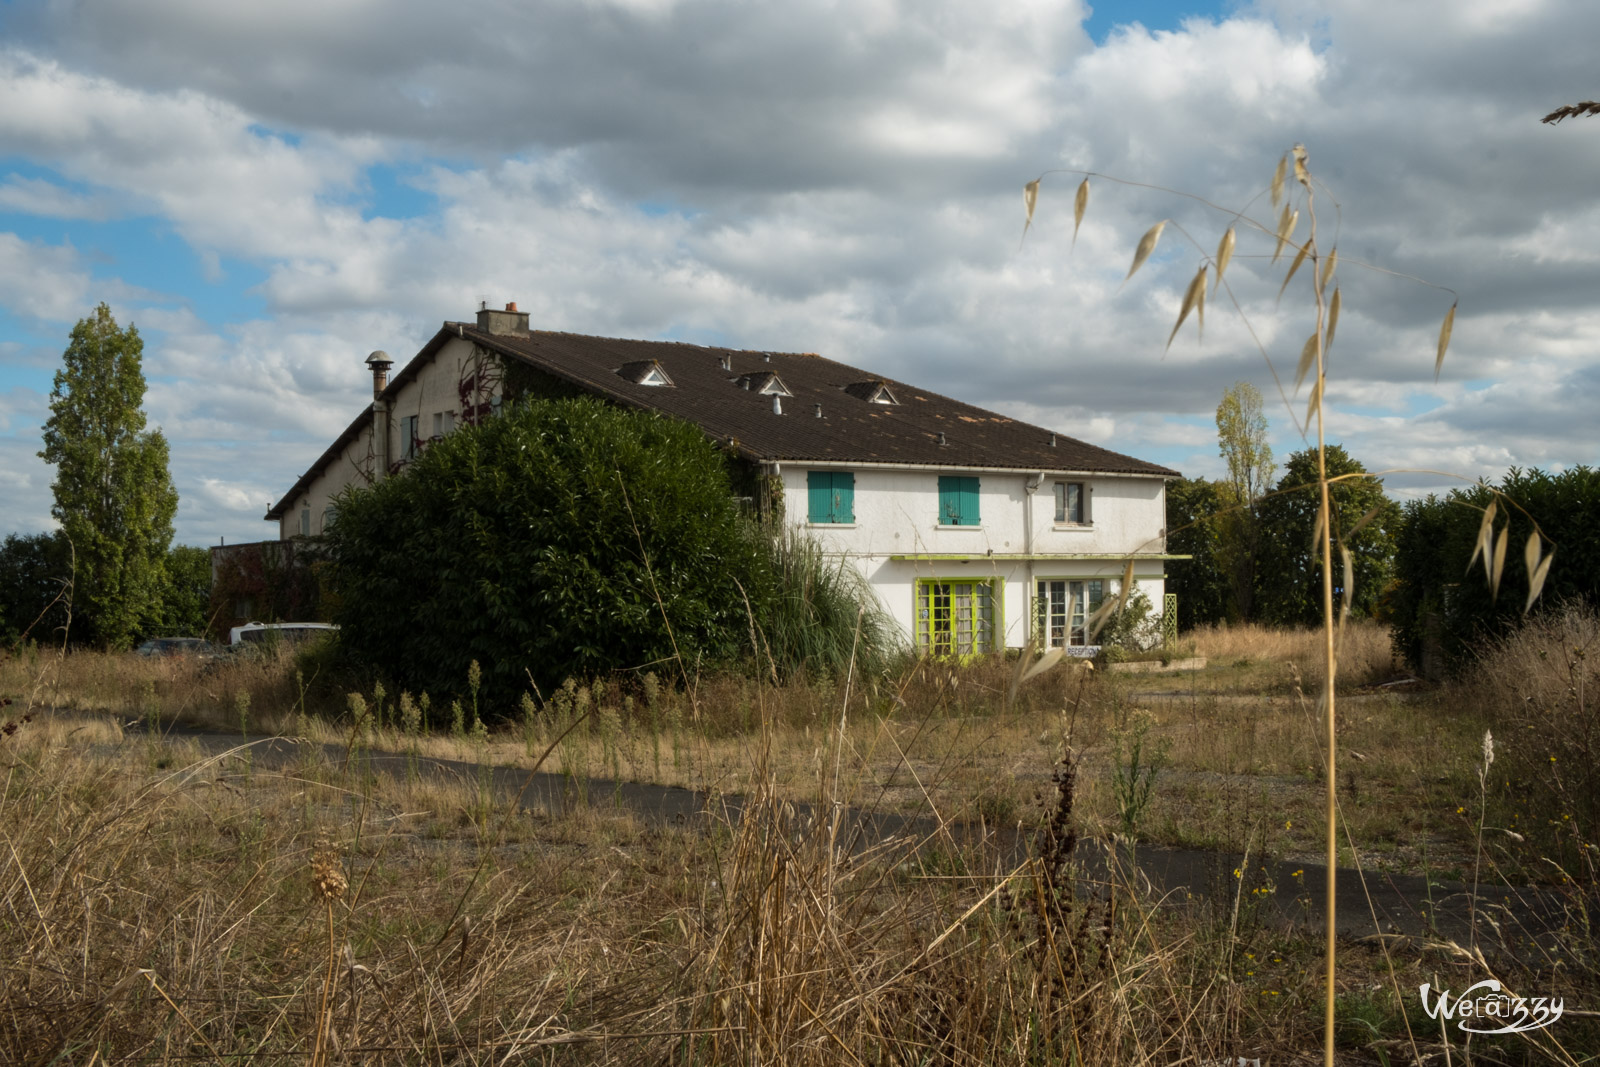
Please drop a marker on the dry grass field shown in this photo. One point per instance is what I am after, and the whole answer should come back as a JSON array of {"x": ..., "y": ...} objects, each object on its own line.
[{"x": 162, "y": 905}]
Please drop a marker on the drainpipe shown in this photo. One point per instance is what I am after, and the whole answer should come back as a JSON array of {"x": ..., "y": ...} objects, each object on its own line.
[
  {"x": 379, "y": 363},
  {"x": 1030, "y": 486}
]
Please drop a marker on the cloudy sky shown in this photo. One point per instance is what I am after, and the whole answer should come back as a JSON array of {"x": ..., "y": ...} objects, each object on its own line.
[{"x": 270, "y": 191}]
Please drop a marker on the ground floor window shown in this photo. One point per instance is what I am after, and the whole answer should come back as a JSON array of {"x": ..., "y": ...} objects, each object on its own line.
[
  {"x": 1063, "y": 608},
  {"x": 956, "y": 618}
]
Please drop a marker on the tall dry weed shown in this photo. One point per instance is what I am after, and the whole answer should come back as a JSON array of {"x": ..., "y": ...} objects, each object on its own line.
[
  {"x": 1365, "y": 655},
  {"x": 1540, "y": 687}
]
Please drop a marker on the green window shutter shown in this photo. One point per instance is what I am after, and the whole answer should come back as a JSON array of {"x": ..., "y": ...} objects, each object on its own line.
[
  {"x": 830, "y": 497},
  {"x": 969, "y": 501},
  {"x": 844, "y": 497},
  {"x": 949, "y": 500},
  {"x": 819, "y": 493}
]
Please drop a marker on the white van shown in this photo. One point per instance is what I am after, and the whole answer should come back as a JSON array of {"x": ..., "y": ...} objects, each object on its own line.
[{"x": 259, "y": 633}]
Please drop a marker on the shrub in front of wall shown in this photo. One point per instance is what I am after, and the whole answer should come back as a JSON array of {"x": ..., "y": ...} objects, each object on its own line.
[{"x": 564, "y": 538}]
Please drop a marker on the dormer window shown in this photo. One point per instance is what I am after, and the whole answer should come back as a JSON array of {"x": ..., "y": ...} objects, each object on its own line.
[
  {"x": 646, "y": 372},
  {"x": 873, "y": 392},
  {"x": 764, "y": 382}
]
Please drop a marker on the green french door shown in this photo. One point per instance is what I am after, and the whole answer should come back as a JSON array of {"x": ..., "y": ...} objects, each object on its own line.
[{"x": 955, "y": 618}]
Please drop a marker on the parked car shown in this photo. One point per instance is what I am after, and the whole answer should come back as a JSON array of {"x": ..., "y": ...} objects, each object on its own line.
[
  {"x": 268, "y": 633},
  {"x": 180, "y": 646}
]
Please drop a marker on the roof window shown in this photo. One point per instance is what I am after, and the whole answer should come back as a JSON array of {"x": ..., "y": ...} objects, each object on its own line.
[
  {"x": 646, "y": 372},
  {"x": 765, "y": 382},
  {"x": 873, "y": 392}
]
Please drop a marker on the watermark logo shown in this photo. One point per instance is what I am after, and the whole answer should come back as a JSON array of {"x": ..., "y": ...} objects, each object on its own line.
[{"x": 1486, "y": 1008}]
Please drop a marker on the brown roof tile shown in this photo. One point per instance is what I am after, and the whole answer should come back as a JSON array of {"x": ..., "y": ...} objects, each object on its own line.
[
  {"x": 851, "y": 428},
  {"x": 706, "y": 390}
]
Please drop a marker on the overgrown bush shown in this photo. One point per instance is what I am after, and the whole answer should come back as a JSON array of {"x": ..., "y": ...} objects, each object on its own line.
[
  {"x": 1439, "y": 610},
  {"x": 1136, "y": 628},
  {"x": 563, "y": 538},
  {"x": 823, "y": 615},
  {"x": 569, "y": 538}
]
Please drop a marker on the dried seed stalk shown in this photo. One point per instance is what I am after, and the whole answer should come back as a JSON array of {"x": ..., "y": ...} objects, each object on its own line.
[
  {"x": 1224, "y": 252},
  {"x": 1147, "y": 244},
  {"x": 1080, "y": 204}
]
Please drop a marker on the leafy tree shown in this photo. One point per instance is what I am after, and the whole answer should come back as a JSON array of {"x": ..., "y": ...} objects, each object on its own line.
[
  {"x": 186, "y": 603},
  {"x": 1195, "y": 528},
  {"x": 548, "y": 541},
  {"x": 1289, "y": 582},
  {"x": 113, "y": 495},
  {"x": 1242, "y": 442},
  {"x": 35, "y": 570}
]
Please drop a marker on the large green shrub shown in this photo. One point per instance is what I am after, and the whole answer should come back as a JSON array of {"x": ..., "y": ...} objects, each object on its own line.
[
  {"x": 1438, "y": 604},
  {"x": 563, "y": 538}
]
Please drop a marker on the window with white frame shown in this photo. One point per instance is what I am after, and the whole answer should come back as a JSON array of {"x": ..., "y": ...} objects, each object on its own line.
[
  {"x": 1072, "y": 503},
  {"x": 1062, "y": 608}
]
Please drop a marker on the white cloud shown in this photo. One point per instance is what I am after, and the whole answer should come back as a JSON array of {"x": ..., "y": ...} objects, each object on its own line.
[
  {"x": 42, "y": 281},
  {"x": 833, "y": 178}
]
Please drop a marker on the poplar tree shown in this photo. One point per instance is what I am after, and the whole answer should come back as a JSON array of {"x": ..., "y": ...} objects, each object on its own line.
[
  {"x": 113, "y": 496},
  {"x": 1242, "y": 442}
]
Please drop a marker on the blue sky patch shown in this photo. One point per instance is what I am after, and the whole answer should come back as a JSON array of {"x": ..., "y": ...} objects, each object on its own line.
[{"x": 1153, "y": 15}]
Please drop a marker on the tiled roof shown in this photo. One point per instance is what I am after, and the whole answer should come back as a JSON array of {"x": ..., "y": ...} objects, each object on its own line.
[
  {"x": 707, "y": 390},
  {"x": 851, "y": 429}
]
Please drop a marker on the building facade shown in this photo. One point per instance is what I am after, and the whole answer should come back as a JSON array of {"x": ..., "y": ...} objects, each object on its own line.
[{"x": 975, "y": 531}]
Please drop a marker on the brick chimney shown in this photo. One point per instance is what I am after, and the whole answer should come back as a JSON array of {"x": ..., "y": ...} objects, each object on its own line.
[{"x": 509, "y": 322}]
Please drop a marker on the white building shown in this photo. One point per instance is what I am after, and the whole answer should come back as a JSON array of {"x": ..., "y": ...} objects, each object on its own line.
[{"x": 975, "y": 530}]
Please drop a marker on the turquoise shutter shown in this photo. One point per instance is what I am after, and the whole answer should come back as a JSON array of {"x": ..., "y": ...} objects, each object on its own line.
[
  {"x": 949, "y": 500},
  {"x": 969, "y": 501},
  {"x": 844, "y": 497},
  {"x": 819, "y": 493}
]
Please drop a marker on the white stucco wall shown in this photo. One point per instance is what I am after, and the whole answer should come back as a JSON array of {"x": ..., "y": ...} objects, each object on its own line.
[
  {"x": 896, "y": 513},
  {"x": 434, "y": 391},
  {"x": 1016, "y": 543}
]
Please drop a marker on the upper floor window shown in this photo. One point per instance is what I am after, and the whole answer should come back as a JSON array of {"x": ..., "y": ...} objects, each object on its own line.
[
  {"x": 1072, "y": 502},
  {"x": 305, "y": 521},
  {"x": 958, "y": 500},
  {"x": 408, "y": 437},
  {"x": 830, "y": 497}
]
